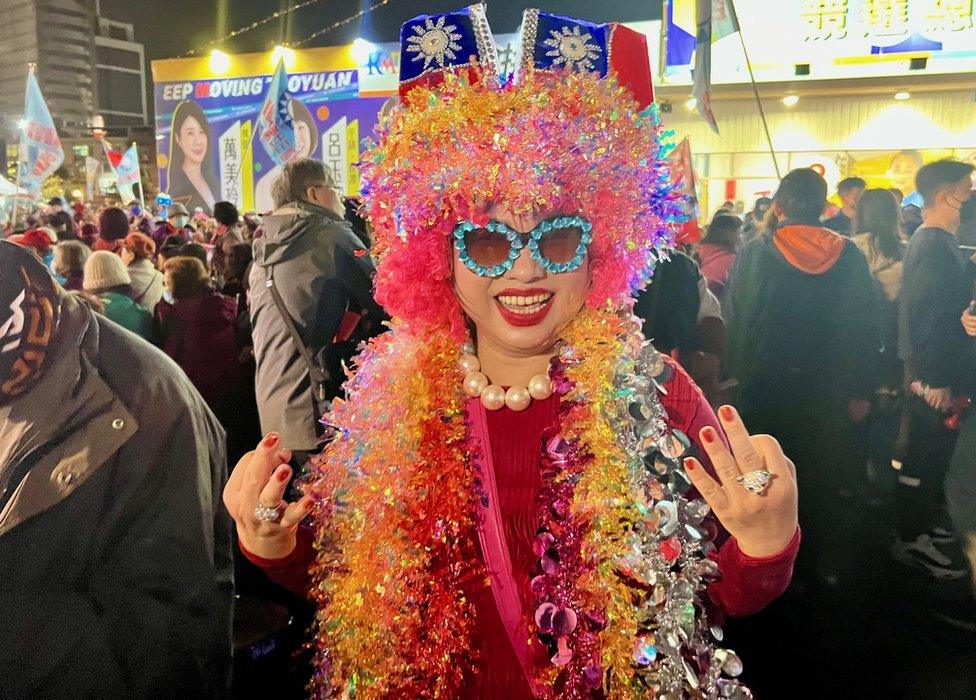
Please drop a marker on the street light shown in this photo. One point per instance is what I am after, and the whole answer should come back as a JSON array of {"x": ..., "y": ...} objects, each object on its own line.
[
  {"x": 219, "y": 62},
  {"x": 283, "y": 53},
  {"x": 361, "y": 50}
]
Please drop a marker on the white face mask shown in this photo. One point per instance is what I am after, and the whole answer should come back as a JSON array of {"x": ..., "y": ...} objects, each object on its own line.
[{"x": 180, "y": 221}]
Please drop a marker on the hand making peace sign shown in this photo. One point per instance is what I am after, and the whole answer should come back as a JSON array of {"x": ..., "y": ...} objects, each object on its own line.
[
  {"x": 762, "y": 520},
  {"x": 267, "y": 525}
]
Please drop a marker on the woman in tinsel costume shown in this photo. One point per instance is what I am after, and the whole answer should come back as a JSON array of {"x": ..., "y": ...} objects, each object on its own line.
[{"x": 508, "y": 506}]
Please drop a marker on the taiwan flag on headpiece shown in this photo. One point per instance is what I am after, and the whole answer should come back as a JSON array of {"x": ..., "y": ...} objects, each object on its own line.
[
  {"x": 553, "y": 42},
  {"x": 41, "y": 151},
  {"x": 275, "y": 122},
  {"x": 459, "y": 41}
]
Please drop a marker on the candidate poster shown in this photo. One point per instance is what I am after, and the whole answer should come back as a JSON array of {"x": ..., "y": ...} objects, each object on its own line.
[{"x": 206, "y": 126}]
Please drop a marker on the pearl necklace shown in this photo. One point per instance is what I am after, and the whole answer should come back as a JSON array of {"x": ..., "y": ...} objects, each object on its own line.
[{"x": 493, "y": 397}]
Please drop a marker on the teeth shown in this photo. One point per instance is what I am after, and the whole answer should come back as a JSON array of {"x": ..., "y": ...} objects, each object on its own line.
[
  {"x": 525, "y": 301},
  {"x": 524, "y": 305}
]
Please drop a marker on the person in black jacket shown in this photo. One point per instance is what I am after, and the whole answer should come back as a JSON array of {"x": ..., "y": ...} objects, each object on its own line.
[
  {"x": 115, "y": 554},
  {"x": 938, "y": 356},
  {"x": 804, "y": 343}
]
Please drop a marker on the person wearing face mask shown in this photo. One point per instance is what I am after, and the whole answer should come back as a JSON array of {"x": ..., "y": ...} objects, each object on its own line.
[
  {"x": 502, "y": 509},
  {"x": 319, "y": 269},
  {"x": 939, "y": 360},
  {"x": 179, "y": 220}
]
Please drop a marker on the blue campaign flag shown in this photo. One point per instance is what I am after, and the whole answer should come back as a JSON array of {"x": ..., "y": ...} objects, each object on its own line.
[
  {"x": 41, "y": 151},
  {"x": 275, "y": 122}
]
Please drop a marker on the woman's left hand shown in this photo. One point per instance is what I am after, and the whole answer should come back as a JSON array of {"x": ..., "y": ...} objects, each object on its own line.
[{"x": 762, "y": 524}]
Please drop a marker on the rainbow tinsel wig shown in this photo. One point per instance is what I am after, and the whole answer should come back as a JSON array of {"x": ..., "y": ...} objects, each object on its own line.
[{"x": 566, "y": 133}]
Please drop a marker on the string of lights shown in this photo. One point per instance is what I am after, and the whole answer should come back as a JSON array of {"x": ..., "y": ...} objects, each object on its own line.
[
  {"x": 335, "y": 25},
  {"x": 253, "y": 25}
]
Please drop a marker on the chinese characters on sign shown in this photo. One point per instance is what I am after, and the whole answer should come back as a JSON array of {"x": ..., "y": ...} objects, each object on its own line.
[
  {"x": 946, "y": 15},
  {"x": 836, "y": 19},
  {"x": 884, "y": 17},
  {"x": 824, "y": 19}
]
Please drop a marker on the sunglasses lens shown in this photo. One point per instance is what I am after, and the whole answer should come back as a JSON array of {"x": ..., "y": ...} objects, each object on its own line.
[
  {"x": 486, "y": 247},
  {"x": 560, "y": 245}
]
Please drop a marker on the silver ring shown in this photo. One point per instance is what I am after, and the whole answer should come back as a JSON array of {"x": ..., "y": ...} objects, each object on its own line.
[
  {"x": 268, "y": 514},
  {"x": 756, "y": 481}
]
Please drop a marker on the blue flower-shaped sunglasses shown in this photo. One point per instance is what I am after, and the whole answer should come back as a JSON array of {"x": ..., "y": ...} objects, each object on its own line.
[{"x": 558, "y": 245}]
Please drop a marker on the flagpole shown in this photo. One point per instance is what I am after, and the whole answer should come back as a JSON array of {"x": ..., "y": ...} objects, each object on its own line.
[
  {"x": 20, "y": 152},
  {"x": 755, "y": 89},
  {"x": 142, "y": 194},
  {"x": 662, "y": 63}
]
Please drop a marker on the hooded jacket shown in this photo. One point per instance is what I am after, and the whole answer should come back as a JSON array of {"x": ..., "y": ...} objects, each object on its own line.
[
  {"x": 803, "y": 320},
  {"x": 116, "y": 577},
  {"x": 320, "y": 268}
]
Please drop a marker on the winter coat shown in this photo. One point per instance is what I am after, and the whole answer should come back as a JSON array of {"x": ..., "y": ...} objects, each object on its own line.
[
  {"x": 147, "y": 284},
  {"x": 116, "y": 577},
  {"x": 803, "y": 322},
  {"x": 716, "y": 264},
  {"x": 200, "y": 334},
  {"x": 128, "y": 314},
  {"x": 936, "y": 288},
  {"x": 320, "y": 268}
]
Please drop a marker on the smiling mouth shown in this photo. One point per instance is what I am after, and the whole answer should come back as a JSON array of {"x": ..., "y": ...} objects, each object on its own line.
[{"x": 524, "y": 305}]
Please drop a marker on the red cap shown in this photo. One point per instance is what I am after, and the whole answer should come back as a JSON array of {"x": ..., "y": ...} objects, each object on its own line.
[{"x": 33, "y": 238}]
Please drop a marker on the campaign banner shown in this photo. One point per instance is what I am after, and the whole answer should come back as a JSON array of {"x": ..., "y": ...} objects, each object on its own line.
[{"x": 208, "y": 128}]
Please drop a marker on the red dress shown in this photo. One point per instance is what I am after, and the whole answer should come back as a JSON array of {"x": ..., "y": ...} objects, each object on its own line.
[{"x": 747, "y": 584}]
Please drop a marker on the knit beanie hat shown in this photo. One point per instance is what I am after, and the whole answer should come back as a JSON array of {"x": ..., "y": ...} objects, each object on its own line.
[{"x": 104, "y": 270}]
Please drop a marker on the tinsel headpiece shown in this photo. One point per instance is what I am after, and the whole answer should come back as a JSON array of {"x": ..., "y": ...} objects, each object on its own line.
[{"x": 572, "y": 131}]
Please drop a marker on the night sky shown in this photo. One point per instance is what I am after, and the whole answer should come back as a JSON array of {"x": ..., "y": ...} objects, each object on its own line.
[{"x": 169, "y": 28}]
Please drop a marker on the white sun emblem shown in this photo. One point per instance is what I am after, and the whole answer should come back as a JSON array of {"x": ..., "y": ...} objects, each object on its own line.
[
  {"x": 434, "y": 42},
  {"x": 572, "y": 48}
]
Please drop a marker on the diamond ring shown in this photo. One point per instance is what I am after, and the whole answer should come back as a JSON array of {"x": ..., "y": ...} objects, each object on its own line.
[
  {"x": 268, "y": 514},
  {"x": 756, "y": 481}
]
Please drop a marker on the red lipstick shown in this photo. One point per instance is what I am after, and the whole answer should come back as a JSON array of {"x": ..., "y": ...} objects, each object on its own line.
[{"x": 523, "y": 319}]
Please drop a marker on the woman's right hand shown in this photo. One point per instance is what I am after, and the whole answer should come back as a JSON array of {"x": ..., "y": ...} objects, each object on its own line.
[{"x": 260, "y": 478}]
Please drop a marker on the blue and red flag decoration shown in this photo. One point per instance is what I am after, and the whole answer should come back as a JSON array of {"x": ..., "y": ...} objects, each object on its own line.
[
  {"x": 553, "y": 42},
  {"x": 275, "y": 122},
  {"x": 432, "y": 45},
  {"x": 127, "y": 174},
  {"x": 716, "y": 19},
  {"x": 40, "y": 147}
]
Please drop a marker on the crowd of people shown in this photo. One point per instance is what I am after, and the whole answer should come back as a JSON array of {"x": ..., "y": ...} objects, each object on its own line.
[
  {"x": 849, "y": 338},
  {"x": 208, "y": 420}
]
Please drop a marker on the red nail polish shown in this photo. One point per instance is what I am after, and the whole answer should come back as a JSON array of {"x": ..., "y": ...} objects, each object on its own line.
[
  {"x": 271, "y": 440},
  {"x": 690, "y": 464},
  {"x": 283, "y": 474},
  {"x": 727, "y": 413},
  {"x": 708, "y": 435}
]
